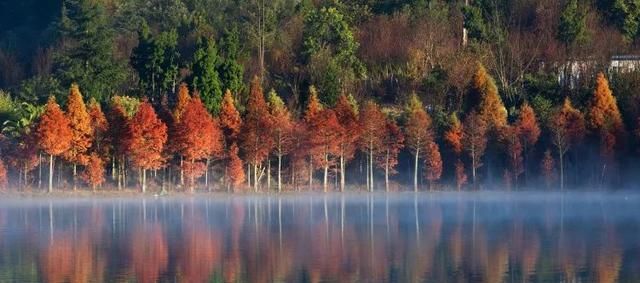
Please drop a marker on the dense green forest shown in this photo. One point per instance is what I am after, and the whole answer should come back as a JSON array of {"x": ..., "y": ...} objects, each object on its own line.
[{"x": 537, "y": 54}]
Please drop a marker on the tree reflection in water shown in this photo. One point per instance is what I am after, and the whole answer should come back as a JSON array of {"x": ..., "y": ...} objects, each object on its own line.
[{"x": 377, "y": 238}]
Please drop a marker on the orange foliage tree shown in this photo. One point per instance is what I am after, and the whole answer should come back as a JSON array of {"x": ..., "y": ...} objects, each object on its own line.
[
  {"x": 548, "y": 168},
  {"x": 528, "y": 132},
  {"x": 198, "y": 138},
  {"x": 604, "y": 119},
  {"x": 148, "y": 135},
  {"x": 256, "y": 141},
  {"x": 230, "y": 120},
  {"x": 314, "y": 108},
  {"x": 433, "y": 163},
  {"x": 281, "y": 131},
  {"x": 53, "y": 133},
  {"x": 372, "y": 122},
  {"x": 475, "y": 141},
  {"x": 94, "y": 171},
  {"x": 392, "y": 143},
  {"x": 82, "y": 132},
  {"x": 347, "y": 115},
  {"x": 100, "y": 126},
  {"x": 182, "y": 103},
  {"x": 23, "y": 154},
  {"x": 323, "y": 141},
  {"x": 454, "y": 137},
  {"x": 118, "y": 136},
  {"x": 510, "y": 137},
  {"x": 567, "y": 127},
  {"x": 490, "y": 108},
  {"x": 418, "y": 132},
  {"x": 235, "y": 169},
  {"x": 3, "y": 175}
]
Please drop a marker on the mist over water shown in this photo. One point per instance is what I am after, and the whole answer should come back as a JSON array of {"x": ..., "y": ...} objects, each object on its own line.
[{"x": 399, "y": 237}]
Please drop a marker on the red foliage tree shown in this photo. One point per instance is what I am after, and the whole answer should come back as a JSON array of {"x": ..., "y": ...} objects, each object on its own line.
[
  {"x": 198, "y": 137},
  {"x": 347, "y": 116},
  {"x": 94, "y": 171},
  {"x": 256, "y": 141},
  {"x": 148, "y": 135},
  {"x": 82, "y": 132},
  {"x": 392, "y": 143},
  {"x": 417, "y": 131},
  {"x": 433, "y": 163},
  {"x": 53, "y": 134},
  {"x": 235, "y": 168},
  {"x": 372, "y": 122}
]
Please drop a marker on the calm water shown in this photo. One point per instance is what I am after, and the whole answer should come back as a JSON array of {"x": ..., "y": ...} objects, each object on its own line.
[{"x": 320, "y": 238}]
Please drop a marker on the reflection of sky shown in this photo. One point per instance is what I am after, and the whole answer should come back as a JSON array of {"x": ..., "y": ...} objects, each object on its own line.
[{"x": 368, "y": 238}]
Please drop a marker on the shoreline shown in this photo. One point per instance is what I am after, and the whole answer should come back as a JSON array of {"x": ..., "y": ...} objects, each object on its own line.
[{"x": 136, "y": 194}]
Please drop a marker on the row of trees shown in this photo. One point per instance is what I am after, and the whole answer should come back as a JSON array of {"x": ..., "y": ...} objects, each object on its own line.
[{"x": 189, "y": 144}]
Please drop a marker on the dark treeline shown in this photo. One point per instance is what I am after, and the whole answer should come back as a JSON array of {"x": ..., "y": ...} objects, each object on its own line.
[{"x": 429, "y": 93}]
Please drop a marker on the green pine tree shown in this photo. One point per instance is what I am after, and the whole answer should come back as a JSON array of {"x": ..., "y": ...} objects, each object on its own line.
[
  {"x": 86, "y": 56},
  {"x": 230, "y": 70},
  {"x": 205, "y": 77}
]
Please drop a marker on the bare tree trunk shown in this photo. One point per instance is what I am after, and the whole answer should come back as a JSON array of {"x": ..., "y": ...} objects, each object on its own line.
[
  {"x": 561, "y": 157},
  {"x": 279, "y": 172},
  {"x": 206, "y": 176},
  {"x": 249, "y": 175},
  {"x": 75, "y": 171},
  {"x": 342, "y": 177},
  {"x": 465, "y": 32},
  {"x": 310, "y": 173},
  {"x": 144, "y": 180},
  {"x": 50, "y": 173},
  {"x": 371, "y": 167},
  {"x": 255, "y": 177},
  {"x": 325, "y": 183},
  {"x": 415, "y": 171},
  {"x": 181, "y": 171},
  {"x": 39, "y": 170},
  {"x": 268, "y": 175},
  {"x": 386, "y": 172}
]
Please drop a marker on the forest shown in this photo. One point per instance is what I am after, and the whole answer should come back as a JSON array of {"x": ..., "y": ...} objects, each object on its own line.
[{"x": 310, "y": 95}]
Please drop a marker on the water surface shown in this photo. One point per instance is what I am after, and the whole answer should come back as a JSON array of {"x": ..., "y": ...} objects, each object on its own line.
[{"x": 324, "y": 238}]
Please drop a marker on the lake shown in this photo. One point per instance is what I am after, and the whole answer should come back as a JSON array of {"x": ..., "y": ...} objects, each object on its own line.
[{"x": 401, "y": 237}]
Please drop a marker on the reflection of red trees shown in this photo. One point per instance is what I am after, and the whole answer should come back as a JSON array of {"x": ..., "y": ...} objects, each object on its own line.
[
  {"x": 232, "y": 262},
  {"x": 69, "y": 259},
  {"x": 149, "y": 253},
  {"x": 199, "y": 253},
  {"x": 326, "y": 251}
]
